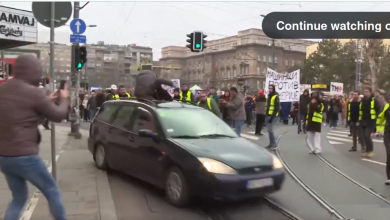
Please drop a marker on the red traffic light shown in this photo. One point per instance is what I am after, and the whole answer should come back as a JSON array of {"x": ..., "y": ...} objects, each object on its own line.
[{"x": 47, "y": 80}]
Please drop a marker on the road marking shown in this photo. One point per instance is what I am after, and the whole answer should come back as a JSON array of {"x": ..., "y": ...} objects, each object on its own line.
[
  {"x": 32, "y": 204},
  {"x": 250, "y": 137},
  {"x": 337, "y": 131},
  {"x": 335, "y": 142},
  {"x": 251, "y": 132},
  {"x": 339, "y": 139},
  {"x": 373, "y": 161}
]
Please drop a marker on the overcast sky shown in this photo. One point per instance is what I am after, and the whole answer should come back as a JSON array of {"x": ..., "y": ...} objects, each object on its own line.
[{"x": 160, "y": 24}]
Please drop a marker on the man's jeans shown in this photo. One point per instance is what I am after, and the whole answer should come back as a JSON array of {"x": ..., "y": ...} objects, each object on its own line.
[
  {"x": 302, "y": 125},
  {"x": 92, "y": 113},
  {"x": 270, "y": 127},
  {"x": 332, "y": 123},
  {"x": 238, "y": 126},
  {"x": 19, "y": 170}
]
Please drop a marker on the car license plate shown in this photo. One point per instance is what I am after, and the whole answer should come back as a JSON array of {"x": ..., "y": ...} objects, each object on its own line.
[{"x": 260, "y": 183}]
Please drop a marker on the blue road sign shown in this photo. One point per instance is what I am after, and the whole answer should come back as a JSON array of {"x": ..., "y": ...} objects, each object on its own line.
[
  {"x": 74, "y": 38},
  {"x": 77, "y": 26}
]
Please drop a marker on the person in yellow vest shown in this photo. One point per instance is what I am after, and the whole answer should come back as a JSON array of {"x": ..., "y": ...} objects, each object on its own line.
[
  {"x": 314, "y": 124},
  {"x": 122, "y": 93},
  {"x": 272, "y": 112},
  {"x": 208, "y": 103},
  {"x": 386, "y": 135},
  {"x": 354, "y": 116},
  {"x": 186, "y": 95},
  {"x": 370, "y": 110},
  {"x": 112, "y": 94}
]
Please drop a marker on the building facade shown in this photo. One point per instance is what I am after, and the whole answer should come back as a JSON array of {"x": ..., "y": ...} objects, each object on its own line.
[
  {"x": 107, "y": 64},
  {"x": 245, "y": 55}
]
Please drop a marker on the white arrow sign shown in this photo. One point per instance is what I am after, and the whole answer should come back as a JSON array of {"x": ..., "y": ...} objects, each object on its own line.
[{"x": 78, "y": 26}]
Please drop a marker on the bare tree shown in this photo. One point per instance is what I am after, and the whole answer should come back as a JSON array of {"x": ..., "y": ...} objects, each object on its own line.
[{"x": 374, "y": 51}]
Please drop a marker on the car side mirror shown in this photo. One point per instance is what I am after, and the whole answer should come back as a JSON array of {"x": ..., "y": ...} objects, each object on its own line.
[{"x": 145, "y": 133}]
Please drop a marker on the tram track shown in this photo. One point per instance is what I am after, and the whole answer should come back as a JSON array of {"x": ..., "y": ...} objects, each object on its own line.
[{"x": 321, "y": 200}]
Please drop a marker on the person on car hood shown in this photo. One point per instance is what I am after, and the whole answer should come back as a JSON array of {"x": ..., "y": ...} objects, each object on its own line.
[
  {"x": 147, "y": 83},
  {"x": 22, "y": 104}
]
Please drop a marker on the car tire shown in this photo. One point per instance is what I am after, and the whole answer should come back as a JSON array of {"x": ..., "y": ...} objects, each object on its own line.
[
  {"x": 100, "y": 157},
  {"x": 176, "y": 188}
]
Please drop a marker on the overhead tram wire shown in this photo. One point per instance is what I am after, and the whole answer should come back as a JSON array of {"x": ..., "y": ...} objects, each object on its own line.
[
  {"x": 216, "y": 8},
  {"x": 125, "y": 23},
  {"x": 201, "y": 15},
  {"x": 181, "y": 18}
]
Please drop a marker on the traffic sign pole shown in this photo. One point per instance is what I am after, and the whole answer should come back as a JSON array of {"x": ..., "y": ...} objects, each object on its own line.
[{"x": 75, "y": 112}]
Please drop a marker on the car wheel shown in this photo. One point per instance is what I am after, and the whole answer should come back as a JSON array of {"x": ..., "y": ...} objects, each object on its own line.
[
  {"x": 100, "y": 157},
  {"x": 176, "y": 188}
]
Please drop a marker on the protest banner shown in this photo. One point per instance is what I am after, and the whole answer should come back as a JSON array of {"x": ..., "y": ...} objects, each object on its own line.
[
  {"x": 336, "y": 88},
  {"x": 176, "y": 84},
  {"x": 287, "y": 85}
]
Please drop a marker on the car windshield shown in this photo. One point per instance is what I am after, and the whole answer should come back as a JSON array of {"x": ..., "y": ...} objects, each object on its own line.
[{"x": 193, "y": 123}]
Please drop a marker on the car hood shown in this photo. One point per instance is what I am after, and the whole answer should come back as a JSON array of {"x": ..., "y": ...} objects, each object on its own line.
[{"x": 238, "y": 153}]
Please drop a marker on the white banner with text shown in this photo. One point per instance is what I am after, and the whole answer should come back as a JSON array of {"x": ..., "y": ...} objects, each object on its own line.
[
  {"x": 176, "y": 84},
  {"x": 336, "y": 88},
  {"x": 287, "y": 85}
]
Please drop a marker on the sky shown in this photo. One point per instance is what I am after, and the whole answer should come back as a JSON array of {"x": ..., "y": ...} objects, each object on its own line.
[{"x": 161, "y": 24}]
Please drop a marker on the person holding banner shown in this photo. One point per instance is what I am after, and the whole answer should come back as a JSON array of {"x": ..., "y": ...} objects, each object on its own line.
[{"x": 273, "y": 105}]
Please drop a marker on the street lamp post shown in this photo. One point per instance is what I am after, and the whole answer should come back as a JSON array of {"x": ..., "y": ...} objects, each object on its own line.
[{"x": 273, "y": 50}]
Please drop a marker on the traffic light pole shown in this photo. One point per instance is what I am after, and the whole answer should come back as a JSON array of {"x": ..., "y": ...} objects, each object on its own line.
[{"x": 75, "y": 110}]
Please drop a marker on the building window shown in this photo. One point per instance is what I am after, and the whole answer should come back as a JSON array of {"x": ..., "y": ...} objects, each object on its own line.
[
  {"x": 276, "y": 59},
  {"x": 264, "y": 58},
  {"x": 258, "y": 70},
  {"x": 234, "y": 72},
  {"x": 292, "y": 63},
  {"x": 228, "y": 73},
  {"x": 286, "y": 62},
  {"x": 270, "y": 59}
]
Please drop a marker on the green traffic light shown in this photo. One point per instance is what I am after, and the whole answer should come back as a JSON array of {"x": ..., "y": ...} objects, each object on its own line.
[
  {"x": 197, "y": 46},
  {"x": 80, "y": 65}
]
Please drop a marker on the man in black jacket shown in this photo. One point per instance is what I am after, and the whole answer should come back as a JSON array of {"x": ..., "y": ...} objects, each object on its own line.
[
  {"x": 273, "y": 104},
  {"x": 148, "y": 86},
  {"x": 304, "y": 101},
  {"x": 370, "y": 110},
  {"x": 354, "y": 117}
]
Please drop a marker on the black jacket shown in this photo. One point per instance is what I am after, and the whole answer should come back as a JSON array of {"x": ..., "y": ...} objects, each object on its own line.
[
  {"x": 353, "y": 109},
  {"x": 387, "y": 125},
  {"x": 304, "y": 100},
  {"x": 366, "y": 108},
  {"x": 147, "y": 83}
]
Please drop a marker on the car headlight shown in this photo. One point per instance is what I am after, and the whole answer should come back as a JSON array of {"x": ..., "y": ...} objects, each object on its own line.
[
  {"x": 277, "y": 164},
  {"x": 217, "y": 167}
]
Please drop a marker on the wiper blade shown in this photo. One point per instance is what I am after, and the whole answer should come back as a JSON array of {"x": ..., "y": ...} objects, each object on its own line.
[
  {"x": 186, "y": 137},
  {"x": 216, "y": 135}
]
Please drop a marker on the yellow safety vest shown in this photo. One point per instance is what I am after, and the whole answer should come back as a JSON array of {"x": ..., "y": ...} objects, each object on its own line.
[
  {"x": 317, "y": 116},
  {"x": 188, "y": 98},
  {"x": 381, "y": 120},
  {"x": 128, "y": 95},
  {"x": 272, "y": 106},
  {"x": 360, "y": 111},
  {"x": 208, "y": 103},
  {"x": 116, "y": 96},
  {"x": 372, "y": 109}
]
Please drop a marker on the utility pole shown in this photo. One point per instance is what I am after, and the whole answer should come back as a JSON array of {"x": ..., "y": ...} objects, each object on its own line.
[
  {"x": 52, "y": 125},
  {"x": 3, "y": 65},
  {"x": 273, "y": 55},
  {"x": 358, "y": 64},
  {"x": 75, "y": 113}
]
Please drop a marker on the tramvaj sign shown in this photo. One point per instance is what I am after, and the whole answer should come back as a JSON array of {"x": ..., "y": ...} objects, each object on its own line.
[{"x": 287, "y": 85}]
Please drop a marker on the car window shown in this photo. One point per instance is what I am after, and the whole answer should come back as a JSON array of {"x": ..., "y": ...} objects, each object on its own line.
[
  {"x": 122, "y": 116},
  {"x": 142, "y": 119},
  {"x": 106, "y": 112},
  {"x": 192, "y": 122}
]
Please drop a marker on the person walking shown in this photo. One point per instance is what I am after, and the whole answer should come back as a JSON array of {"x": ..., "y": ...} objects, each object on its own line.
[
  {"x": 354, "y": 116},
  {"x": 272, "y": 112},
  {"x": 334, "y": 110},
  {"x": 20, "y": 162},
  {"x": 222, "y": 106},
  {"x": 236, "y": 109},
  {"x": 260, "y": 112},
  {"x": 386, "y": 135},
  {"x": 208, "y": 103},
  {"x": 249, "y": 107},
  {"x": 92, "y": 107},
  {"x": 314, "y": 124}
]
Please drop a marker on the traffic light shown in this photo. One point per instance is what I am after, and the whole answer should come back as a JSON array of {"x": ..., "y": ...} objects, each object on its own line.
[
  {"x": 80, "y": 53},
  {"x": 45, "y": 81},
  {"x": 191, "y": 41},
  {"x": 197, "y": 41}
]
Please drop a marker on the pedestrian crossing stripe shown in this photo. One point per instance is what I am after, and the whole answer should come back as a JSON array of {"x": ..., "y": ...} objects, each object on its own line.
[
  {"x": 250, "y": 137},
  {"x": 341, "y": 136}
]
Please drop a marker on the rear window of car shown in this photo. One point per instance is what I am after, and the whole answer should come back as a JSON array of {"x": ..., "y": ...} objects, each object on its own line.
[{"x": 107, "y": 111}]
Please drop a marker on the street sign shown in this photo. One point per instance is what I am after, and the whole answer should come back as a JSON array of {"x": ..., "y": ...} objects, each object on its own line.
[
  {"x": 81, "y": 39},
  {"x": 77, "y": 26},
  {"x": 42, "y": 12}
]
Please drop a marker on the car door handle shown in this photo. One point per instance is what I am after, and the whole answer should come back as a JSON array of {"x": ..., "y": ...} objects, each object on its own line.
[{"x": 131, "y": 139}]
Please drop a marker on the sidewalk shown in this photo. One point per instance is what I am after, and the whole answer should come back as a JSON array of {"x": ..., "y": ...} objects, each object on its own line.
[{"x": 85, "y": 189}]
